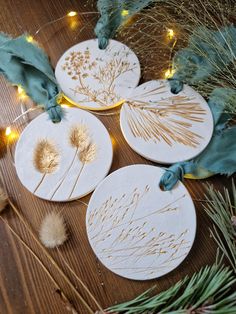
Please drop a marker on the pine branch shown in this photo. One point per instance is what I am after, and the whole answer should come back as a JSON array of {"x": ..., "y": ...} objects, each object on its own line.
[
  {"x": 208, "y": 291},
  {"x": 221, "y": 208}
]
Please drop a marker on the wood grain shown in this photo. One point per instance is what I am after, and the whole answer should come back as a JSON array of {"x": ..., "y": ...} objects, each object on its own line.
[{"x": 24, "y": 286}]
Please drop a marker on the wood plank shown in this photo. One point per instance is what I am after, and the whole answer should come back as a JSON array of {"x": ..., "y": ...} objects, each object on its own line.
[{"x": 24, "y": 287}]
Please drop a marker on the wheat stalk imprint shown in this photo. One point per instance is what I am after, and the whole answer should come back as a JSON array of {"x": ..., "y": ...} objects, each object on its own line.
[
  {"x": 169, "y": 120},
  {"x": 132, "y": 236},
  {"x": 84, "y": 151},
  {"x": 87, "y": 155},
  {"x": 80, "y": 67},
  {"x": 46, "y": 159}
]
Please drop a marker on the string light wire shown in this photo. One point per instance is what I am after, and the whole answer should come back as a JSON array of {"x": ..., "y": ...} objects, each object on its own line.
[
  {"x": 70, "y": 14},
  {"x": 30, "y": 38}
]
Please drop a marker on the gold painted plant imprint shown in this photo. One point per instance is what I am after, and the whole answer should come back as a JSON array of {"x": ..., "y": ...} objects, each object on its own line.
[
  {"x": 132, "y": 237},
  {"x": 81, "y": 67},
  {"x": 169, "y": 119},
  {"x": 64, "y": 161},
  {"x": 46, "y": 157},
  {"x": 85, "y": 152}
]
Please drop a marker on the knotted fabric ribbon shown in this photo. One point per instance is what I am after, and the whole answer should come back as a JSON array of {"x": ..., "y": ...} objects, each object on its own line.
[
  {"x": 24, "y": 64},
  {"x": 219, "y": 157},
  {"x": 111, "y": 17}
]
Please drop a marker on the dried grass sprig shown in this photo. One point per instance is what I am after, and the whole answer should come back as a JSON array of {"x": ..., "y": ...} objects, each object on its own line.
[
  {"x": 65, "y": 300},
  {"x": 53, "y": 234},
  {"x": 53, "y": 230},
  {"x": 3, "y": 200},
  {"x": 147, "y": 35},
  {"x": 80, "y": 281},
  {"x": 50, "y": 258},
  {"x": 46, "y": 159}
]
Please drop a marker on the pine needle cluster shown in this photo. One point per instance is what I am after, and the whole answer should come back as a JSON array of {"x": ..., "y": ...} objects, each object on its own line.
[
  {"x": 208, "y": 291},
  {"x": 221, "y": 208}
]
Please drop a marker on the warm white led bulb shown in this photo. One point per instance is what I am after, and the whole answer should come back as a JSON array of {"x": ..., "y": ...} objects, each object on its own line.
[
  {"x": 72, "y": 13},
  {"x": 8, "y": 131},
  {"x": 170, "y": 33}
]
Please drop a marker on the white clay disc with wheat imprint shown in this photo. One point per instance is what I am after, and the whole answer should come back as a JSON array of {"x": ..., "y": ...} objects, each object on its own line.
[
  {"x": 63, "y": 161},
  {"x": 98, "y": 79},
  {"x": 137, "y": 230},
  {"x": 165, "y": 127}
]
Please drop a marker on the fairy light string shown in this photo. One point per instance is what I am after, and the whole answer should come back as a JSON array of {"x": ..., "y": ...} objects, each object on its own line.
[
  {"x": 173, "y": 38},
  {"x": 70, "y": 14},
  {"x": 10, "y": 134},
  {"x": 21, "y": 92}
]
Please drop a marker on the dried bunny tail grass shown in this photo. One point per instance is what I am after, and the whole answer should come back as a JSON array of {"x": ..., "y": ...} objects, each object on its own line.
[
  {"x": 46, "y": 156},
  {"x": 53, "y": 230},
  {"x": 79, "y": 136},
  {"x": 50, "y": 258},
  {"x": 68, "y": 305},
  {"x": 88, "y": 154},
  {"x": 3, "y": 200}
]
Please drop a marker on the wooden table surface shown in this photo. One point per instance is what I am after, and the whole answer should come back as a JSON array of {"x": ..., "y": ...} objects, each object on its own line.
[{"x": 24, "y": 286}]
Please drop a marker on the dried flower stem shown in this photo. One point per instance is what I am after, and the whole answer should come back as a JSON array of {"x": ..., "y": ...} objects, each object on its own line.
[
  {"x": 64, "y": 298},
  {"x": 28, "y": 227},
  {"x": 80, "y": 281}
]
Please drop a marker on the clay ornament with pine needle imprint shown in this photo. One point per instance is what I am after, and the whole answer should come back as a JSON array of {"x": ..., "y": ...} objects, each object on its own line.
[
  {"x": 137, "y": 230},
  {"x": 66, "y": 160},
  {"x": 97, "y": 79},
  {"x": 164, "y": 127}
]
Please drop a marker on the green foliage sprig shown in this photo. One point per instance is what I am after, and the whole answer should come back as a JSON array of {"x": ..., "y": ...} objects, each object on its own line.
[
  {"x": 221, "y": 207},
  {"x": 208, "y": 291}
]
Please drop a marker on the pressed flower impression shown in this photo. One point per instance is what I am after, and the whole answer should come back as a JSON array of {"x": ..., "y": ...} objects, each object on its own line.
[
  {"x": 46, "y": 159},
  {"x": 66, "y": 160},
  {"x": 137, "y": 230},
  {"x": 98, "y": 79},
  {"x": 165, "y": 127}
]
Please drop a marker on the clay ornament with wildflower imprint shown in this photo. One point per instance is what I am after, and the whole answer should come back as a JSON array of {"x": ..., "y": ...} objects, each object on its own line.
[
  {"x": 97, "y": 79},
  {"x": 63, "y": 161},
  {"x": 137, "y": 230}
]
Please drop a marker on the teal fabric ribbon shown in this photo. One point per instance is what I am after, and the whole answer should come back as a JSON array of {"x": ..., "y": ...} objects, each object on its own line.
[
  {"x": 111, "y": 17},
  {"x": 219, "y": 157},
  {"x": 25, "y": 64}
]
